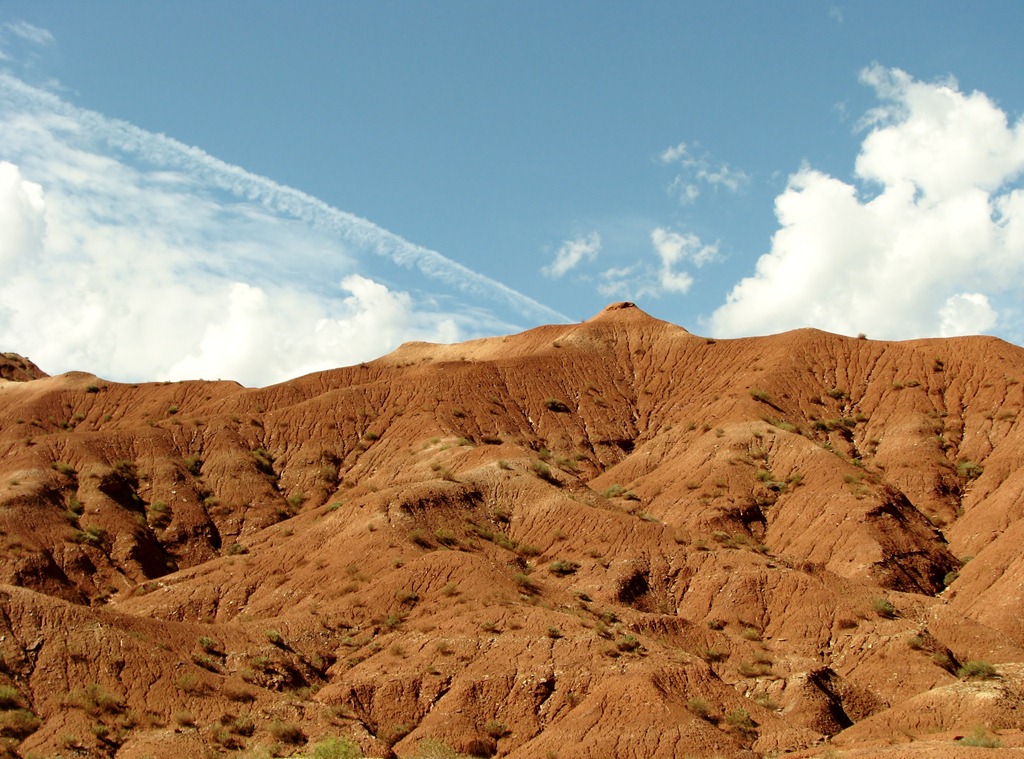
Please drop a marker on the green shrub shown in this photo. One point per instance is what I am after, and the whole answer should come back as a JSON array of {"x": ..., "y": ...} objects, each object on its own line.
[
  {"x": 563, "y": 567},
  {"x": 699, "y": 707},
  {"x": 206, "y": 662},
  {"x": 430, "y": 748},
  {"x": 496, "y": 729},
  {"x": 264, "y": 461},
  {"x": 446, "y": 537},
  {"x": 969, "y": 470},
  {"x": 741, "y": 720},
  {"x": 976, "y": 669},
  {"x": 408, "y": 597},
  {"x": 18, "y": 723},
  {"x": 241, "y": 725},
  {"x": 755, "y": 669},
  {"x": 66, "y": 469},
  {"x": 419, "y": 537},
  {"x": 627, "y": 643},
  {"x": 287, "y": 732},
  {"x": 337, "y": 748},
  {"x": 95, "y": 699},
  {"x": 543, "y": 471},
  {"x": 9, "y": 698},
  {"x": 883, "y": 608},
  {"x": 525, "y": 582},
  {"x": 980, "y": 738},
  {"x": 274, "y": 637}
]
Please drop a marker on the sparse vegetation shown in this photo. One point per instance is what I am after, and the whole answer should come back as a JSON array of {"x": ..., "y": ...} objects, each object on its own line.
[
  {"x": 287, "y": 732},
  {"x": 65, "y": 469},
  {"x": 96, "y": 699},
  {"x": 741, "y": 721},
  {"x": 274, "y": 637},
  {"x": 969, "y": 470},
  {"x": 700, "y": 708},
  {"x": 976, "y": 669},
  {"x": 9, "y": 698},
  {"x": 543, "y": 471},
  {"x": 194, "y": 464},
  {"x": 18, "y": 723},
  {"x": 883, "y": 608},
  {"x": 563, "y": 567},
  {"x": 496, "y": 729},
  {"x": 336, "y": 748},
  {"x": 980, "y": 738}
]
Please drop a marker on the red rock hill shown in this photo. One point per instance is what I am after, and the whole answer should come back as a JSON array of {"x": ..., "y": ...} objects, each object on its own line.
[{"x": 609, "y": 539}]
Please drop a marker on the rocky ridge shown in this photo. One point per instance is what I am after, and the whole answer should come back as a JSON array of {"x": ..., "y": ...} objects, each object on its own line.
[{"x": 607, "y": 539}]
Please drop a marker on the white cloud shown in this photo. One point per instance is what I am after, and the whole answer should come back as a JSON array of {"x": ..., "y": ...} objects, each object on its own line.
[
  {"x": 672, "y": 249},
  {"x": 169, "y": 155},
  {"x": 149, "y": 300},
  {"x": 966, "y": 314},
  {"x": 132, "y": 256},
  {"x": 22, "y": 218},
  {"x": 255, "y": 327},
  {"x": 30, "y": 32},
  {"x": 571, "y": 253},
  {"x": 700, "y": 170},
  {"x": 928, "y": 251}
]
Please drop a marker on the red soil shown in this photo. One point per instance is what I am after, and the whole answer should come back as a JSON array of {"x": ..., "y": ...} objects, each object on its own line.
[{"x": 610, "y": 539}]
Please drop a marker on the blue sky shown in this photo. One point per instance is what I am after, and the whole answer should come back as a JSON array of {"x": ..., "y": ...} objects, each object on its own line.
[{"x": 252, "y": 190}]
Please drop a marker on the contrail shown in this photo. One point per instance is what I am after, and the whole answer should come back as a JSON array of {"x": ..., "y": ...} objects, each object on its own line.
[{"x": 170, "y": 153}]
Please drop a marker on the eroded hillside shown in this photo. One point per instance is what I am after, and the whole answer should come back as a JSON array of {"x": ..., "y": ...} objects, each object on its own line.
[{"x": 609, "y": 539}]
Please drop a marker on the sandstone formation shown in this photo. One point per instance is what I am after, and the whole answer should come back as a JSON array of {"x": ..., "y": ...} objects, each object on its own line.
[{"x": 613, "y": 539}]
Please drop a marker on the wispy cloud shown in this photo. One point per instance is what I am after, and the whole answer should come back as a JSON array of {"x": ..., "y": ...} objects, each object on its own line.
[
  {"x": 168, "y": 153},
  {"x": 134, "y": 256},
  {"x": 697, "y": 171},
  {"x": 929, "y": 242},
  {"x": 572, "y": 253},
  {"x": 29, "y": 32}
]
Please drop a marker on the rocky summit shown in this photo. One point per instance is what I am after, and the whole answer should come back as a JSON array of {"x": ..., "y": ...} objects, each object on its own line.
[{"x": 606, "y": 540}]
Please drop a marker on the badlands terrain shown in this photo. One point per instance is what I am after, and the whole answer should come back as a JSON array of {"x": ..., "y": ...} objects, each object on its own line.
[{"x": 606, "y": 540}]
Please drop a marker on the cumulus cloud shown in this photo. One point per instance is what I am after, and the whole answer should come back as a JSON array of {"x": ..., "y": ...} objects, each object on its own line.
[
  {"x": 672, "y": 250},
  {"x": 573, "y": 252},
  {"x": 131, "y": 255},
  {"x": 173, "y": 295},
  {"x": 22, "y": 218},
  {"x": 927, "y": 240},
  {"x": 698, "y": 170},
  {"x": 250, "y": 319}
]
